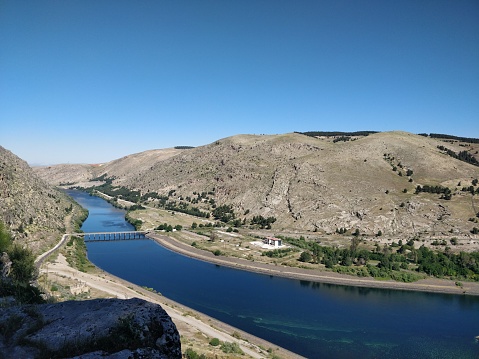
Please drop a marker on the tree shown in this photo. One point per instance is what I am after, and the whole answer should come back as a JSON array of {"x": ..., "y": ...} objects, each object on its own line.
[
  {"x": 347, "y": 261},
  {"x": 354, "y": 244},
  {"x": 263, "y": 222},
  {"x": 224, "y": 213},
  {"x": 305, "y": 257},
  {"x": 16, "y": 281},
  {"x": 5, "y": 239},
  {"x": 23, "y": 266}
]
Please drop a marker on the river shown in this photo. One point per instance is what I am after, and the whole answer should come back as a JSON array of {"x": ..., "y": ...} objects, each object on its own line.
[{"x": 312, "y": 319}]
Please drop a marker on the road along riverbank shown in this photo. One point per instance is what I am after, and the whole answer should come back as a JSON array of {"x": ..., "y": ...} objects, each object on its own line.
[
  {"x": 197, "y": 328},
  {"x": 433, "y": 285}
]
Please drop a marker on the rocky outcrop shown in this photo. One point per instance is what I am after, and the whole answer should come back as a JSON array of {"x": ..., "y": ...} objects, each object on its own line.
[{"x": 101, "y": 328}]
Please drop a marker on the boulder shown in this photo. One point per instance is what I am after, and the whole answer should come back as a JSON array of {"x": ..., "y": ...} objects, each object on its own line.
[{"x": 100, "y": 328}]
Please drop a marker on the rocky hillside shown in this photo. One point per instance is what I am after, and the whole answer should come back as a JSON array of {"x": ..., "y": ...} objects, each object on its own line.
[
  {"x": 34, "y": 212},
  {"x": 316, "y": 184}
]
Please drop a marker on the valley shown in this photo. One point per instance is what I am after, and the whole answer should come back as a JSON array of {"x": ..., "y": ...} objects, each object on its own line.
[{"x": 386, "y": 210}]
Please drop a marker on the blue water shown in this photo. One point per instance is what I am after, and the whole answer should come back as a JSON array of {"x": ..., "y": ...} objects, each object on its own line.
[{"x": 312, "y": 319}]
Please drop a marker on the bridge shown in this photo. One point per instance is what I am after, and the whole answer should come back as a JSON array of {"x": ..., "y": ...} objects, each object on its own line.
[{"x": 112, "y": 236}]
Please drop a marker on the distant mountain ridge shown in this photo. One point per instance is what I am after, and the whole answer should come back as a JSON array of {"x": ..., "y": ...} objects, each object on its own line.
[{"x": 309, "y": 183}]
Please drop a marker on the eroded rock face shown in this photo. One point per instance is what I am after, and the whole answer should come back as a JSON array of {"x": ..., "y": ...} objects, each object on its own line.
[{"x": 106, "y": 328}]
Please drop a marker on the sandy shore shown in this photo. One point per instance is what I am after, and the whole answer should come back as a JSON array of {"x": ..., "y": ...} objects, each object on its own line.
[
  {"x": 434, "y": 285},
  {"x": 190, "y": 323}
]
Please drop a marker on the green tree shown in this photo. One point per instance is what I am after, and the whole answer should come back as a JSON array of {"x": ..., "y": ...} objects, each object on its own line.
[
  {"x": 23, "y": 266},
  {"x": 305, "y": 257},
  {"x": 5, "y": 239},
  {"x": 22, "y": 272}
]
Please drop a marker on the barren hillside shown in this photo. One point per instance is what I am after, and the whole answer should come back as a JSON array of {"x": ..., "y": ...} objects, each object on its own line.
[
  {"x": 124, "y": 167},
  {"x": 32, "y": 210},
  {"x": 316, "y": 184}
]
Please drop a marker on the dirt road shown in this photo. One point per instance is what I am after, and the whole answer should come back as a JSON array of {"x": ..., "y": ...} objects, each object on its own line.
[{"x": 190, "y": 323}]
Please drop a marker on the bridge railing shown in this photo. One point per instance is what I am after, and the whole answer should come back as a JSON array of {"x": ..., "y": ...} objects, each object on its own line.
[{"x": 112, "y": 236}]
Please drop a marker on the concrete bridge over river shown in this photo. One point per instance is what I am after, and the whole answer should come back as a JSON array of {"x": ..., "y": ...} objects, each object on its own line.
[
  {"x": 111, "y": 236},
  {"x": 94, "y": 237}
]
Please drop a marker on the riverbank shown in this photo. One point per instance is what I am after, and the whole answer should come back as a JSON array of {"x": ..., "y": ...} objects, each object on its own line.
[
  {"x": 195, "y": 328},
  {"x": 433, "y": 285}
]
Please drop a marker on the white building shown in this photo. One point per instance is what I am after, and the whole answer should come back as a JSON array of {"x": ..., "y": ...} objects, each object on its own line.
[{"x": 272, "y": 241}]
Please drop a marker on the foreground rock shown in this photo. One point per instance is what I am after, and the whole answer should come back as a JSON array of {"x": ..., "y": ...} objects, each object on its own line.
[{"x": 101, "y": 328}]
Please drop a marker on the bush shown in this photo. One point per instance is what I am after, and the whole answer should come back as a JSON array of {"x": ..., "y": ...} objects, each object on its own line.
[
  {"x": 305, "y": 257},
  {"x": 191, "y": 354},
  {"x": 22, "y": 271},
  {"x": 215, "y": 342},
  {"x": 228, "y": 347}
]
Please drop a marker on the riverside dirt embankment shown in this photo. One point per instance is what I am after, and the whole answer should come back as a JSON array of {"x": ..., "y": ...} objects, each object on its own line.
[{"x": 433, "y": 285}]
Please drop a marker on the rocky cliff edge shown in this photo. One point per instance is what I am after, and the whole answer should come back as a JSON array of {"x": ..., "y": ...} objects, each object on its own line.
[{"x": 100, "y": 328}]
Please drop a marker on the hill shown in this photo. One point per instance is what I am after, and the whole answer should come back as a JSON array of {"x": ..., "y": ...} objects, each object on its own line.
[
  {"x": 33, "y": 211},
  {"x": 317, "y": 184}
]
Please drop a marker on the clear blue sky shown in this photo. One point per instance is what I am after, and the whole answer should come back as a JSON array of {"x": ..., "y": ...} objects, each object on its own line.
[{"x": 91, "y": 81}]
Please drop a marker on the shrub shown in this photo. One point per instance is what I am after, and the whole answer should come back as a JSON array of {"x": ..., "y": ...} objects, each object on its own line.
[
  {"x": 191, "y": 354},
  {"x": 215, "y": 342},
  {"x": 228, "y": 347},
  {"x": 305, "y": 257}
]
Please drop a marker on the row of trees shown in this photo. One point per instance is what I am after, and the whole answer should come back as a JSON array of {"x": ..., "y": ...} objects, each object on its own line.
[
  {"x": 390, "y": 262},
  {"x": 471, "y": 190},
  {"x": 224, "y": 213},
  {"x": 168, "y": 227},
  {"x": 336, "y": 133},
  {"x": 462, "y": 155},
  {"x": 449, "y": 137},
  {"x": 117, "y": 192},
  {"x": 263, "y": 222},
  {"x": 184, "y": 208},
  {"x": 445, "y": 191}
]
